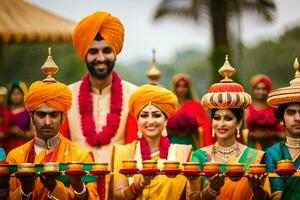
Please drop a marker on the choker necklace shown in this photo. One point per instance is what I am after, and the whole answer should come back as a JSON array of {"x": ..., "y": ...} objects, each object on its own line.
[
  {"x": 292, "y": 142},
  {"x": 225, "y": 153},
  {"x": 51, "y": 143}
]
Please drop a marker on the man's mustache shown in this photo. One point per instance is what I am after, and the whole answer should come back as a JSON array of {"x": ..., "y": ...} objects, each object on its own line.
[{"x": 97, "y": 62}]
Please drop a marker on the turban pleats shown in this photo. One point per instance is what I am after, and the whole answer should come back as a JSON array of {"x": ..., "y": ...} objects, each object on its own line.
[
  {"x": 56, "y": 95},
  {"x": 109, "y": 27},
  {"x": 164, "y": 99}
]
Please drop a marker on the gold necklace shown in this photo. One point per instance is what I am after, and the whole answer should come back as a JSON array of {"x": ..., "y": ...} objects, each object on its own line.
[{"x": 225, "y": 153}]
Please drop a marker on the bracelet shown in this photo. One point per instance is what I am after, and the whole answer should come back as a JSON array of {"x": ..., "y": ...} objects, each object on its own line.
[
  {"x": 82, "y": 194},
  {"x": 132, "y": 190},
  {"x": 51, "y": 197},
  {"x": 25, "y": 195},
  {"x": 140, "y": 183}
]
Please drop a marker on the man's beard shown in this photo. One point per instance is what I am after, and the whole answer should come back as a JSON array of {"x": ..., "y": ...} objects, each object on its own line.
[{"x": 103, "y": 73}]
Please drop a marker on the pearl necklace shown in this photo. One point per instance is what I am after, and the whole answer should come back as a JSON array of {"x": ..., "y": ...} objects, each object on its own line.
[
  {"x": 292, "y": 142},
  {"x": 225, "y": 153}
]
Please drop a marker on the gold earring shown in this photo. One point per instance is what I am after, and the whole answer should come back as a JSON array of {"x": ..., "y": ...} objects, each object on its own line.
[
  {"x": 139, "y": 134},
  {"x": 164, "y": 132},
  {"x": 213, "y": 133},
  {"x": 238, "y": 132}
]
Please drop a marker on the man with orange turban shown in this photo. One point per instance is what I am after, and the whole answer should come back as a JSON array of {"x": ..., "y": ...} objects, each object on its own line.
[
  {"x": 98, "y": 118},
  {"x": 47, "y": 104}
]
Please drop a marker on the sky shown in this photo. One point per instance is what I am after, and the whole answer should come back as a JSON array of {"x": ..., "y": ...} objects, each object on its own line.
[{"x": 171, "y": 34}]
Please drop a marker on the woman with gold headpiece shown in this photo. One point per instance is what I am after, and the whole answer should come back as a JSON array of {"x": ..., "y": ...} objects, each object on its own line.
[
  {"x": 264, "y": 128},
  {"x": 227, "y": 100},
  {"x": 151, "y": 105},
  {"x": 190, "y": 124},
  {"x": 21, "y": 129}
]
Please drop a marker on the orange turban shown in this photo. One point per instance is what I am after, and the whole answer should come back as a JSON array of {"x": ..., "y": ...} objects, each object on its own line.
[
  {"x": 164, "y": 99},
  {"x": 56, "y": 95},
  {"x": 109, "y": 27}
]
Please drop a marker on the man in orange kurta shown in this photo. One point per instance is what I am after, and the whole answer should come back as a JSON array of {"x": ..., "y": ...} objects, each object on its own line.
[{"x": 47, "y": 104}]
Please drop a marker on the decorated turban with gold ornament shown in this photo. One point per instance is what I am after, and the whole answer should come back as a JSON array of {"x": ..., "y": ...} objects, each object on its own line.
[
  {"x": 261, "y": 78},
  {"x": 56, "y": 95},
  {"x": 289, "y": 94},
  {"x": 226, "y": 94},
  {"x": 161, "y": 97},
  {"x": 109, "y": 27}
]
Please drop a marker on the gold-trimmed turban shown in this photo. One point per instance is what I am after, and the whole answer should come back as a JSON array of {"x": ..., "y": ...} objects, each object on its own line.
[
  {"x": 289, "y": 94},
  {"x": 56, "y": 95},
  {"x": 109, "y": 27},
  {"x": 161, "y": 97},
  {"x": 226, "y": 94}
]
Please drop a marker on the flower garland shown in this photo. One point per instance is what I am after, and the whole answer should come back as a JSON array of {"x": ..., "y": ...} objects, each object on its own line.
[
  {"x": 163, "y": 148},
  {"x": 86, "y": 111}
]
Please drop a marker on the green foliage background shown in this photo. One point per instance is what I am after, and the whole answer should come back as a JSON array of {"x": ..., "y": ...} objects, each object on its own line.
[{"x": 274, "y": 58}]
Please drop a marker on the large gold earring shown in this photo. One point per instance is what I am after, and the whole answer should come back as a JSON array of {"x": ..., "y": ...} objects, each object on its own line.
[
  {"x": 238, "y": 132},
  {"x": 213, "y": 133}
]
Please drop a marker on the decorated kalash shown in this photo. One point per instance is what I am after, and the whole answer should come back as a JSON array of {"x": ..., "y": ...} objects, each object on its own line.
[
  {"x": 50, "y": 166},
  {"x": 283, "y": 158}
]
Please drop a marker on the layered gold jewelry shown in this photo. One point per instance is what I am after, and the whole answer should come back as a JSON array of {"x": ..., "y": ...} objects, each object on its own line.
[
  {"x": 225, "y": 153},
  {"x": 292, "y": 142}
]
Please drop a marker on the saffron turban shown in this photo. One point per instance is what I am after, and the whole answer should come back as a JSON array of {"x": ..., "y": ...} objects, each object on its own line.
[
  {"x": 261, "y": 78},
  {"x": 109, "y": 27},
  {"x": 164, "y": 99},
  {"x": 56, "y": 95}
]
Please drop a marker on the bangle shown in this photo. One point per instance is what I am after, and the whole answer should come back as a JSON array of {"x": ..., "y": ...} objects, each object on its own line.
[
  {"x": 140, "y": 184},
  {"x": 82, "y": 194},
  {"x": 27, "y": 196},
  {"x": 132, "y": 190}
]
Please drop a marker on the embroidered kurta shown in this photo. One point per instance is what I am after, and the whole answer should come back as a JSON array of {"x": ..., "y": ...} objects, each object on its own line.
[
  {"x": 291, "y": 185},
  {"x": 101, "y": 107},
  {"x": 66, "y": 151}
]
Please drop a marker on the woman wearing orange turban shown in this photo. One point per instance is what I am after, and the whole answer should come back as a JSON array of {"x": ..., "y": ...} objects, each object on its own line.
[
  {"x": 151, "y": 105},
  {"x": 264, "y": 128}
]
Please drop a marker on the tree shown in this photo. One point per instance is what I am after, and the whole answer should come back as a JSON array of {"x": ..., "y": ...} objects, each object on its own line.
[{"x": 220, "y": 12}]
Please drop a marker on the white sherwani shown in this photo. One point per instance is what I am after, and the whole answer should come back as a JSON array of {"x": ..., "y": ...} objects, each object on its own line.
[{"x": 101, "y": 107}]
